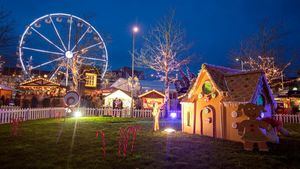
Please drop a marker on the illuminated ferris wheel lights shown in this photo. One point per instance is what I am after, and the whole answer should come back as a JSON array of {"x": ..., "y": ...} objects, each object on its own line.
[
  {"x": 63, "y": 54},
  {"x": 59, "y": 19},
  {"x": 70, "y": 20},
  {"x": 47, "y": 20}
]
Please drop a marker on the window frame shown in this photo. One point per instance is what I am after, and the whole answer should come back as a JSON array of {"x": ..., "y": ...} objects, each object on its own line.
[{"x": 90, "y": 80}]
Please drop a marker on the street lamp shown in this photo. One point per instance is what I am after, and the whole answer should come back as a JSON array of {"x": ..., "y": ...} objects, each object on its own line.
[
  {"x": 242, "y": 62},
  {"x": 135, "y": 30}
]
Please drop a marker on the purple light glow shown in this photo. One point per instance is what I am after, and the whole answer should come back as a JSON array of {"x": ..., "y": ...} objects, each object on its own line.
[{"x": 173, "y": 115}]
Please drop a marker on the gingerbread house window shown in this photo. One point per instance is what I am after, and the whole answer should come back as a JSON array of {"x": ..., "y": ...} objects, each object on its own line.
[
  {"x": 260, "y": 100},
  {"x": 207, "y": 87},
  {"x": 188, "y": 119}
]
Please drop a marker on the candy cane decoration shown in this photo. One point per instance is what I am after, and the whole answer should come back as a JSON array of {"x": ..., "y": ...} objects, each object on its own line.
[
  {"x": 103, "y": 141},
  {"x": 57, "y": 115},
  {"x": 133, "y": 130},
  {"x": 123, "y": 142},
  {"x": 15, "y": 125},
  {"x": 125, "y": 134}
]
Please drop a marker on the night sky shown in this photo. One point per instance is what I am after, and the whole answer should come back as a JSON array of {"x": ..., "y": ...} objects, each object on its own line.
[{"x": 213, "y": 27}]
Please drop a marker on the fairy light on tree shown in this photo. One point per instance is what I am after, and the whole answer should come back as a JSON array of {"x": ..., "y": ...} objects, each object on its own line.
[
  {"x": 268, "y": 66},
  {"x": 163, "y": 52},
  {"x": 263, "y": 51}
]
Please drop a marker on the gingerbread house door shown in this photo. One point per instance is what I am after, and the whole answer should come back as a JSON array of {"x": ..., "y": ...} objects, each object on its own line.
[{"x": 207, "y": 121}]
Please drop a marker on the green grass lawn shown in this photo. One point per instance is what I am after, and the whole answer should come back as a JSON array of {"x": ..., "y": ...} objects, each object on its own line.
[{"x": 37, "y": 147}]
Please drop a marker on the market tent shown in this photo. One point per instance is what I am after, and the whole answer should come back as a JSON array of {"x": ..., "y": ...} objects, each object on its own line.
[
  {"x": 5, "y": 91},
  {"x": 118, "y": 94}
]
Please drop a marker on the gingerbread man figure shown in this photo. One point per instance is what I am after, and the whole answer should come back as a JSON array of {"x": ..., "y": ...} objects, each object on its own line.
[
  {"x": 250, "y": 130},
  {"x": 155, "y": 114}
]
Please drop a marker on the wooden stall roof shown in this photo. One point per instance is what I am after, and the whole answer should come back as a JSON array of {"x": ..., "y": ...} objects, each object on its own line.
[
  {"x": 152, "y": 93},
  {"x": 4, "y": 87},
  {"x": 38, "y": 82}
]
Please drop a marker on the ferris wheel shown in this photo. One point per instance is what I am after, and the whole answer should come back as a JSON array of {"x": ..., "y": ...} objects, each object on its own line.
[{"x": 58, "y": 43}]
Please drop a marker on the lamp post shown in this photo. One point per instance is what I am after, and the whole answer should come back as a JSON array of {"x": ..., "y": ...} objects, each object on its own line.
[
  {"x": 242, "y": 63},
  {"x": 135, "y": 30}
]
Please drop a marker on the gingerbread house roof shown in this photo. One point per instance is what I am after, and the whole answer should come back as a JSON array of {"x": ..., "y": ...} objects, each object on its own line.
[
  {"x": 218, "y": 73},
  {"x": 239, "y": 86},
  {"x": 242, "y": 87}
]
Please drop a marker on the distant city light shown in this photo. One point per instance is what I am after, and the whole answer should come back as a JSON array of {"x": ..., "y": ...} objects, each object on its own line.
[
  {"x": 173, "y": 115},
  {"x": 169, "y": 130},
  {"x": 237, "y": 59},
  {"x": 77, "y": 114}
]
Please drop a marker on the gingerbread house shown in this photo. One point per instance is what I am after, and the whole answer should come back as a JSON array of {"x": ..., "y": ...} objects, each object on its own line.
[{"x": 210, "y": 105}]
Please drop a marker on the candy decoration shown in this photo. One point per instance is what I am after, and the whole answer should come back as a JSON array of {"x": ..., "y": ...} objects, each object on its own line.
[
  {"x": 214, "y": 95},
  {"x": 277, "y": 125},
  {"x": 133, "y": 130},
  {"x": 206, "y": 110},
  {"x": 234, "y": 125},
  {"x": 200, "y": 96},
  {"x": 15, "y": 125},
  {"x": 125, "y": 135},
  {"x": 57, "y": 115},
  {"x": 123, "y": 142},
  {"x": 234, "y": 114},
  {"x": 103, "y": 142},
  {"x": 208, "y": 120}
]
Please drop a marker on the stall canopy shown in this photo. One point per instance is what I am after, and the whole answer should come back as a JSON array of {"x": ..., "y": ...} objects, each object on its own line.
[
  {"x": 5, "y": 91},
  {"x": 38, "y": 83}
]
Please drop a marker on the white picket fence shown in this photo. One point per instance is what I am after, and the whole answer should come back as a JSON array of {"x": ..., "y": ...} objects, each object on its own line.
[
  {"x": 287, "y": 118},
  {"x": 6, "y": 115},
  {"x": 137, "y": 113}
]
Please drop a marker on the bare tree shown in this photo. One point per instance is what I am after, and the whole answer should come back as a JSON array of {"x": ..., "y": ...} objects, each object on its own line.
[
  {"x": 163, "y": 52},
  {"x": 264, "y": 51}
]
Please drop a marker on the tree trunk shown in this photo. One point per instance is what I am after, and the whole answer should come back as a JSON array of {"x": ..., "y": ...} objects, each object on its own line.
[{"x": 167, "y": 95}]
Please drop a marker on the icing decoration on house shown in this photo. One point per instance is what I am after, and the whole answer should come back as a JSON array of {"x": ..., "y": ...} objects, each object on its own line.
[{"x": 250, "y": 130}]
